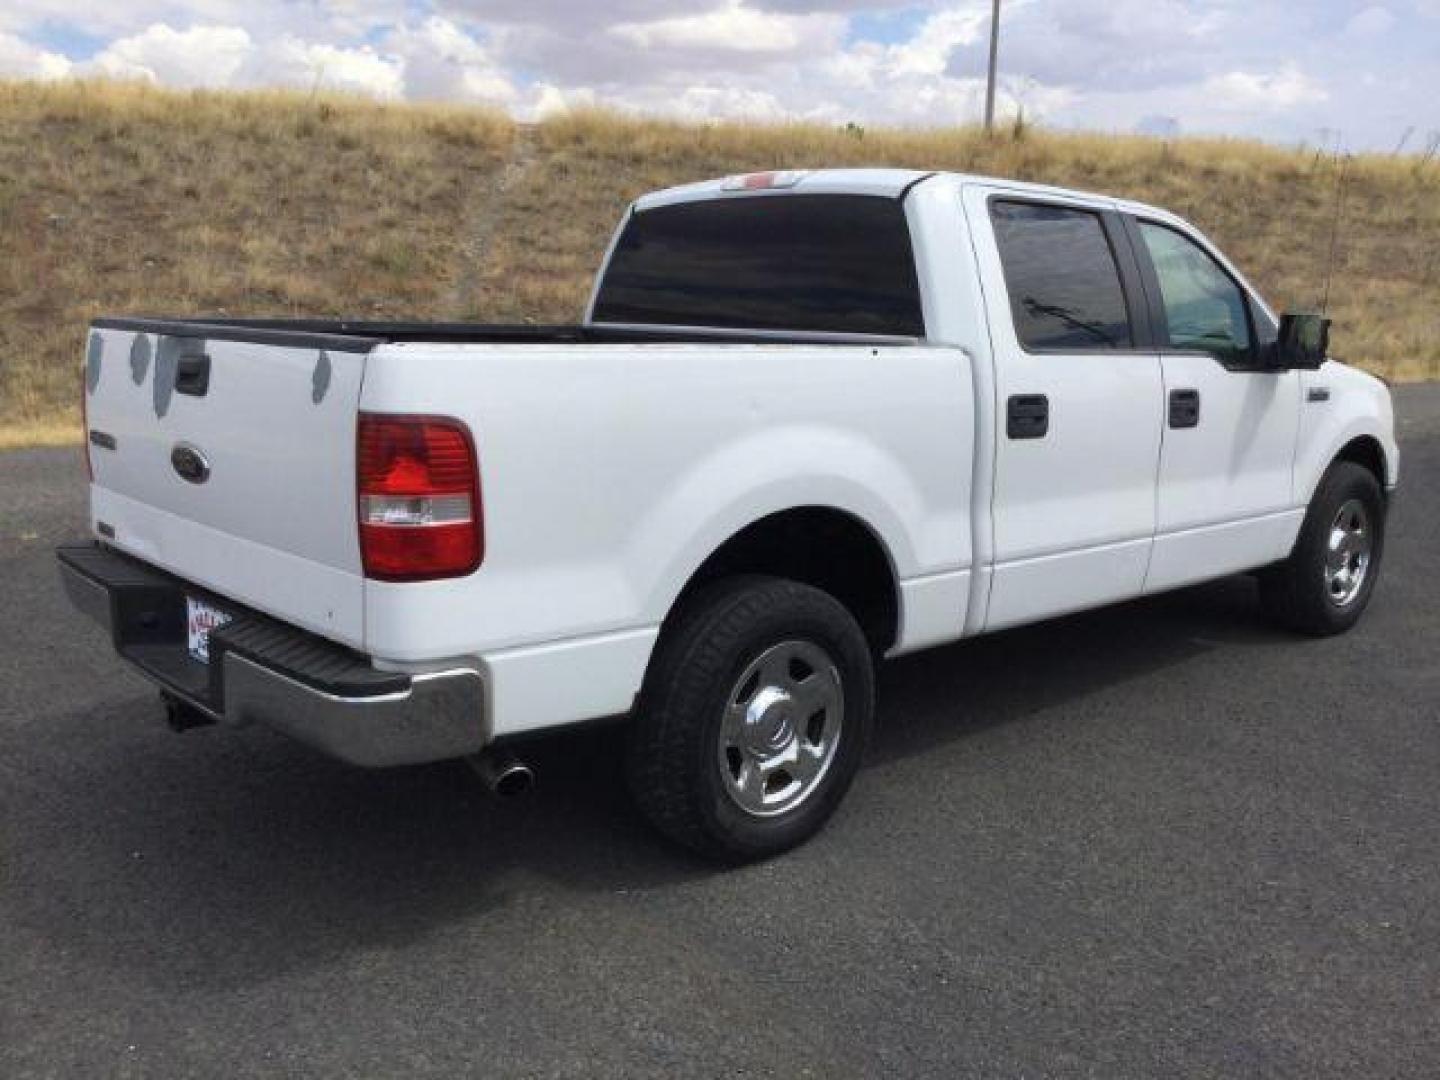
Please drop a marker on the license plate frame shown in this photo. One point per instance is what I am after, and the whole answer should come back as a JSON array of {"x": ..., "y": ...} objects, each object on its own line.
[{"x": 201, "y": 619}]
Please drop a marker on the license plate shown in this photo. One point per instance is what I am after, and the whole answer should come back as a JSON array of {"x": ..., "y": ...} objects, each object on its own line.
[{"x": 200, "y": 619}]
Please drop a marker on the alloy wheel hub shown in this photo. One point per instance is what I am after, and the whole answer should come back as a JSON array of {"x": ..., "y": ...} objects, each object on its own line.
[
  {"x": 781, "y": 728},
  {"x": 1348, "y": 553}
]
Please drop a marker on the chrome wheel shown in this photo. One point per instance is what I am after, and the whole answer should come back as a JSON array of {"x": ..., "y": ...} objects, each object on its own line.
[
  {"x": 781, "y": 728},
  {"x": 1347, "y": 558}
]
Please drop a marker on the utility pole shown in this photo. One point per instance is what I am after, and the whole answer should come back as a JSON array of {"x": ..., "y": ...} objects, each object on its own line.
[{"x": 994, "y": 54}]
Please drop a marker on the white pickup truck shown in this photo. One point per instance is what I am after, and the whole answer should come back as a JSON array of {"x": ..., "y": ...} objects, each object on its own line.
[{"x": 810, "y": 420}]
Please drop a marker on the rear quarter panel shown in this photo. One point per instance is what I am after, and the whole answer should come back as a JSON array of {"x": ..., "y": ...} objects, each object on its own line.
[{"x": 609, "y": 473}]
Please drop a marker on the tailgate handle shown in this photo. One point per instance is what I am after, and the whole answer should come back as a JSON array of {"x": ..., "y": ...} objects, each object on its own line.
[{"x": 192, "y": 374}]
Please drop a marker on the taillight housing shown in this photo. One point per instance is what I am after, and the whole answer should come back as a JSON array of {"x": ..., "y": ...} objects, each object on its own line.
[{"x": 418, "y": 496}]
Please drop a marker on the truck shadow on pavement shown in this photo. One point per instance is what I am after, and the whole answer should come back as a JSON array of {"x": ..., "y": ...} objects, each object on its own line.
[
  {"x": 223, "y": 859},
  {"x": 935, "y": 696}
]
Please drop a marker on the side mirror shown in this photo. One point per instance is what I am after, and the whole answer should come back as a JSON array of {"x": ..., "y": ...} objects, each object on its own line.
[{"x": 1303, "y": 342}]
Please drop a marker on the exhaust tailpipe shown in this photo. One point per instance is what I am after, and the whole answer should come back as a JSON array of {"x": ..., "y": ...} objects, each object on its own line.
[
  {"x": 181, "y": 715},
  {"x": 503, "y": 773}
]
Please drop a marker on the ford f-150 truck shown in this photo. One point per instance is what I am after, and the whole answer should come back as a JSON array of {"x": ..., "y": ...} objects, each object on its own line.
[{"x": 809, "y": 420}]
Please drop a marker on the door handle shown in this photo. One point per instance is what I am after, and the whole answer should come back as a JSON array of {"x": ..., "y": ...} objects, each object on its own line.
[
  {"x": 1027, "y": 416},
  {"x": 192, "y": 374},
  {"x": 1184, "y": 408}
]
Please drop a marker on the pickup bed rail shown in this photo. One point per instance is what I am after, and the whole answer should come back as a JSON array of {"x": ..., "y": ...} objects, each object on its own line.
[{"x": 356, "y": 335}]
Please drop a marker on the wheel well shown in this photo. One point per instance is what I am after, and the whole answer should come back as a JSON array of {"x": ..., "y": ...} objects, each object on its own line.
[
  {"x": 1367, "y": 452},
  {"x": 829, "y": 549}
]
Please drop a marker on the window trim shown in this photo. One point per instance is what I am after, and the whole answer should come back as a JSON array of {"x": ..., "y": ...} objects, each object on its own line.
[
  {"x": 1160, "y": 321},
  {"x": 1137, "y": 308}
]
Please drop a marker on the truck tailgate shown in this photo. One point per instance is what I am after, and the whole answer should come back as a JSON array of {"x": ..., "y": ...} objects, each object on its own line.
[{"x": 227, "y": 457}]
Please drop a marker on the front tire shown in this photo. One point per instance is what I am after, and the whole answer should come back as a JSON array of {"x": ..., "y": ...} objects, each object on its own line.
[
  {"x": 753, "y": 718},
  {"x": 1325, "y": 585}
]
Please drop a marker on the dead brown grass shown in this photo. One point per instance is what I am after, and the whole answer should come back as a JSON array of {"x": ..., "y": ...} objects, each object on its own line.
[
  {"x": 60, "y": 431},
  {"x": 129, "y": 199},
  {"x": 121, "y": 198}
]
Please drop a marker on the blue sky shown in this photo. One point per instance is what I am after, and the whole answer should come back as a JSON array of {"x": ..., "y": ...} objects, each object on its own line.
[
  {"x": 1355, "y": 74},
  {"x": 887, "y": 26}
]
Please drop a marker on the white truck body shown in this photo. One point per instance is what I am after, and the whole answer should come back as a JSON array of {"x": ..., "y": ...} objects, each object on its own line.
[{"x": 612, "y": 470}]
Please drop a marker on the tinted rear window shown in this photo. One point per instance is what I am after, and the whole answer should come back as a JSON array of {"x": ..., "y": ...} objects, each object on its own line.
[
  {"x": 837, "y": 263},
  {"x": 1064, "y": 285}
]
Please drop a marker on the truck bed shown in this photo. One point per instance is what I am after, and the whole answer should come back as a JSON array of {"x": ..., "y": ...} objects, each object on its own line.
[{"x": 359, "y": 335}]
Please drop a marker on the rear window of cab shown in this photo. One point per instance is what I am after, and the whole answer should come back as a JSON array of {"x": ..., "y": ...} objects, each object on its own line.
[{"x": 828, "y": 263}]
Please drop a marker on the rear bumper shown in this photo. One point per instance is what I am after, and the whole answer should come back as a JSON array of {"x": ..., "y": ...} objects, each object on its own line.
[{"x": 260, "y": 670}]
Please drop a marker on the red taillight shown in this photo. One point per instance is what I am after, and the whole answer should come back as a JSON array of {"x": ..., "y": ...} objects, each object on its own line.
[{"x": 419, "y": 498}]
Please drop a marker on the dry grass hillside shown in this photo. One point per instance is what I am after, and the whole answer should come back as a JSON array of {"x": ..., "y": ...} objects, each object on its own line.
[{"x": 127, "y": 199}]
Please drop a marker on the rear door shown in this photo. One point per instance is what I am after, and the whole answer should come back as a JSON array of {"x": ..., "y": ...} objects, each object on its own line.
[
  {"x": 1224, "y": 499},
  {"x": 1078, "y": 404},
  {"x": 229, "y": 460}
]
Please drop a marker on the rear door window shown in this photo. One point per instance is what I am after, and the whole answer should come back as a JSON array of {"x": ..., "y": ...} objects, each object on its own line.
[
  {"x": 833, "y": 263},
  {"x": 1062, "y": 277}
]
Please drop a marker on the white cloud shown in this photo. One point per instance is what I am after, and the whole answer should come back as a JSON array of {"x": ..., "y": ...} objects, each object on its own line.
[
  {"x": 734, "y": 28},
  {"x": 546, "y": 99},
  {"x": 263, "y": 18},
  {"x": 929, "y": 50},
  {"x": 576, "y": 14},
  {"x": 1372, "y": 22},
  {"x": 200, "y": 56},
  {"x": 804, "y": 6},
  {"x": 705, "y": 101},
  {"x": 228, "y": 56},
  {"x": 1284, "y": 89},
  {"x": 21, "y": 60},
  {"x": 738, "y": 61},
  {"x": 442, "y": 61},
  {"x": 292, "y": 62},
  {"x": 741, "y": 62},
  {"x": 1095, "y": 44}
]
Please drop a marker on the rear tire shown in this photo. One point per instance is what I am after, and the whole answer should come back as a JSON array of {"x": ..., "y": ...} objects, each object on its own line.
[
  {"x": 1324, "y": 586},
  {"x": 753, "y": 719}
]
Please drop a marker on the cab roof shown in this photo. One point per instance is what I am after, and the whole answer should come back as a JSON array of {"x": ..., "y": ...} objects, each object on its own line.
[
  {"x": 892, "y": 183},
  {"x": 882, "y": 182}
]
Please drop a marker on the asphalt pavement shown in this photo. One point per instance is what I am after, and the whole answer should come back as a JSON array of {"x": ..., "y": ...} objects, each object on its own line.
[{"x": 1157, "y": 840}]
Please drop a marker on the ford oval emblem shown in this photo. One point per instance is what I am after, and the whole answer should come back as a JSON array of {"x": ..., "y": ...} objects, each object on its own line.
[{"x": 189, "y": 463}]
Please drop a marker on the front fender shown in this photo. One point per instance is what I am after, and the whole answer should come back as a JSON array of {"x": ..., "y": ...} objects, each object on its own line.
[{"x": 1358, "y": 407}]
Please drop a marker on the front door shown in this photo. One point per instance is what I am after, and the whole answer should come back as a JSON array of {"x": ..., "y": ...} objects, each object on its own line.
[
  {"x": 1224, "y": 501},
  {"x": 1078, "y": 401}
]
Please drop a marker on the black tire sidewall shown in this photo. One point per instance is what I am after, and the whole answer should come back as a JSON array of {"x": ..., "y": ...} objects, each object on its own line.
[
  {"x": 851, "y": 658},
  {"x": 1343, "y": 482},
  {"x": 749, "y": 615}
]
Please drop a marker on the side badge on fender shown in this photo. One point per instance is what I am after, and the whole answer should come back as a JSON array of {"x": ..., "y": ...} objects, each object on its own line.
[{"x": 189, "y": 463}]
